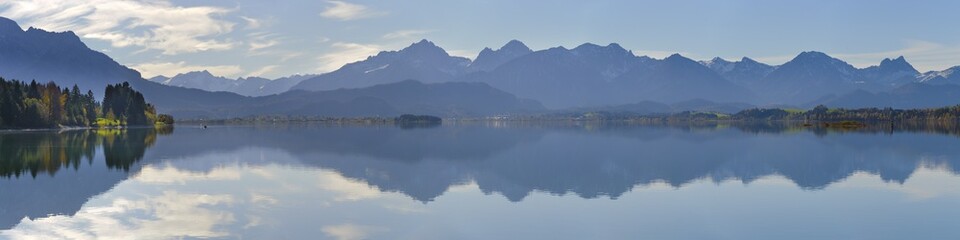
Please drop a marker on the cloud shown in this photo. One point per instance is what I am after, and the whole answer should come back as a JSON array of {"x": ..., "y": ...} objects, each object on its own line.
[
  {"x": 406, "y": 34},
  {"x": 264, "y": 70},
  {"x": 261, "y": 40},
  {"x": 347, "y": 189},
  {"x": 170, "y": 175},
  {"x": 345, "y": 11},
  {"x": 349, "y": 231},
  {"x": 171, "y": 214},
  {"x": 346, "y": 53},
  {"x": 157, "y": 25},
  {"x": 170, "y": 69},
  {"x": 290, "y": 55},
  {"x": 252, "y": 23}
]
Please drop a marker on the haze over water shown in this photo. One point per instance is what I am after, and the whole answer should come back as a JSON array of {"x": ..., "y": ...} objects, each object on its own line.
[{"x": 480, "y": 181}]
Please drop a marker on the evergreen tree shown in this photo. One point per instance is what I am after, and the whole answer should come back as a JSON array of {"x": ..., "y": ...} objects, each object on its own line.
[{"x": 35, "y": 105}]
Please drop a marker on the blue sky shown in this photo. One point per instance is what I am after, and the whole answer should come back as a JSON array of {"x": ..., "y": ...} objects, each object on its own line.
[{"x": 278, "y": 38}]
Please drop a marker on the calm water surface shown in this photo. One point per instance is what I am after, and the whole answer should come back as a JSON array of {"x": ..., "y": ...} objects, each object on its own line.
[{"x": 481, "y": 181}]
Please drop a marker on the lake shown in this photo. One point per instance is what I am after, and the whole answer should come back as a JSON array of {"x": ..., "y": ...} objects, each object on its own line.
[{"x": 494, "y": 180}]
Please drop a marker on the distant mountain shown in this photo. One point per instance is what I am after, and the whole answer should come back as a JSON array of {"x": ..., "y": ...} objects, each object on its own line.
[
  {"x": 949, "y": 76},
  {"x": 422, "y": 61},
  {"x": 911, "y": 95},
  {"x": 655, "y": 108},
  {"x": 809, "y": 76},
  {"x": 64, "y": 59},
  {"x": 250, "y": 86},
  {"x": 700, "y": 105},
  {"x": 44, "y": 56},
  {"x": 409, "y": 96},
  {"x": 745, "y": 72},
  {"x": 586, "y": 76},
  {"x": 676, "y": 79},
  {"x": 489, "y": 59},
  {"x": 891, "y": 73},
  {"x": 562, "y": 78},
  {"x": 593, "y": 75}
]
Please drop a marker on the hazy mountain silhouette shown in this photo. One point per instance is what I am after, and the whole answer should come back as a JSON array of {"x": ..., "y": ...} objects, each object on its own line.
[
  {"x": 249, "y": 86},
  {"x": 808, "y": 76},
  {"x": 912, "y": 95},
  {"x": 63, "y": 58},
  {"x": 588, "y": 76},
  {"x": 422, "y": 61},
  {"x": 561, "y": 78},
  {"x": 658, "y": 108},
  {"x": 489, "y": 59},
  {"x": 676, "y": 79},
  {"x": 440, "y": 99},
  {"x": 746, "y": 72},
  {"x": 891, "y": 73}
]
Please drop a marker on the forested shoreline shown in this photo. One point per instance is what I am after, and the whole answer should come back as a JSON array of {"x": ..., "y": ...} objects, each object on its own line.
[
  {"x": 819, "y": 114},
  {"x": 34, "y": 105}
]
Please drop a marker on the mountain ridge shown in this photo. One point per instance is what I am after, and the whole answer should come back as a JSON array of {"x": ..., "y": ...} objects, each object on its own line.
[
  {"x": 559, "y": 78},
  {"x": 246, "y": 86}
]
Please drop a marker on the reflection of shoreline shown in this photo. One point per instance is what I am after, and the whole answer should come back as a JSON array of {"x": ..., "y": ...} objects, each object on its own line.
[
  {"x": 65, "y": 167},
  {"x": 589, "y": 160},
  {"x": 46, "y": 152},
  {"x": 775, "y": 126}
]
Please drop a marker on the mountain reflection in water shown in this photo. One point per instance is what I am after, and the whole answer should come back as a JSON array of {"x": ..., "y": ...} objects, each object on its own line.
[{"x": 50, "y": 173}]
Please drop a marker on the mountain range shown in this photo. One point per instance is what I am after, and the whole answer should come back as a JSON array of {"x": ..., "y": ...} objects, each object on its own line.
[
  {"x": 422, "y": 61},
  {"x": 424, "y": 79},
  {"x": 250, "y": 86},
  {"x": 591, "y": 75}
]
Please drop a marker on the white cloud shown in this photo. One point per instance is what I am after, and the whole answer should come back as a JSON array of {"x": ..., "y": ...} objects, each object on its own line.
[
  {"x": 290, "y": 55},
  {"x": 170, "y": 69},
  {"x": 252, "y": 23},
  {"x": 172, "y": 215},
  {"x": 349, "y": 231},
  {"x": 347, "y": 189},
  {"x": 257, "y": 45},
  {"x": 261, "y": 40},
  {"x": 170, "y": 175},
  {"x": 406, "y": 34},
  {"x": 346, "y": 53},
  {"x": 345, "y": 11},
  {"x": 157, "y": 25},
  {"x": 264, "y": 70}
]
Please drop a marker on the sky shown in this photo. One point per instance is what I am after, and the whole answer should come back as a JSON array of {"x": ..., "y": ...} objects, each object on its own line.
[{"x": 239, "y": 38}]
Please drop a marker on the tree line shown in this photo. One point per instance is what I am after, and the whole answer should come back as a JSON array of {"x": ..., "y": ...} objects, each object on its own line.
[
  {"x": 33, "y": 154},
  {"x": 822, "y": 113},
  {"x": 35, "y": 105}
]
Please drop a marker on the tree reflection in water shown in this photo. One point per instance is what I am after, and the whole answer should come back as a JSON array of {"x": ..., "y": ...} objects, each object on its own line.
[{"x": 41, "y": 152}]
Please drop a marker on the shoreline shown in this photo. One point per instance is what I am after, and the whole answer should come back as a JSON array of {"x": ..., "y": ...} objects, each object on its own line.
[{"x": 70, "y": 128}]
